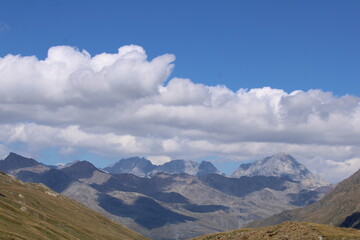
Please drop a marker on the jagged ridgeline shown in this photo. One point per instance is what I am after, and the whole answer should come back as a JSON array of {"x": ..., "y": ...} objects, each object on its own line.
[
  {"x": 34, "y": 212},
  {"x": 179, "y": 199}
]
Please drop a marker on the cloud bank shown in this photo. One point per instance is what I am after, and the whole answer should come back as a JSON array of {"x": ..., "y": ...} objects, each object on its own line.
[{"x": 124, "y": 104}]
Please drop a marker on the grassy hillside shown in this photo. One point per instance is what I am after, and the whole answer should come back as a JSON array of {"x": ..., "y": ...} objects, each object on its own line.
[
  {"x": 288, "y": 231},
  {"x": 340, "y": 207},
  {"x": 33, "y": 211}
]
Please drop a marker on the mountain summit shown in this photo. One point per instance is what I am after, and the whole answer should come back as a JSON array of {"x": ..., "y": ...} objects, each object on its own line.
[
  {"x": 142, "y": 167},
  {"x": 280, "y": 165},
  {"x": 186, "y": 166},
  {"x": 15, "y": 161}
]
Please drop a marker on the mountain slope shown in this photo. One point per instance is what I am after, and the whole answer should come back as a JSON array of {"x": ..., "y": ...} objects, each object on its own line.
[
  {"x": 33, "y": 211},
  {"x": 177, "y": 166},
  {"x": 288, "y": 230},
  {"x": 205, "y": 168},
  {"x": 184, "y": 166},
  {"x": 144, "y": 168},
  {"x": 340, "y": 207},
  {"x": 280, "y": 165},
  {"x": 135, "y": 165}
]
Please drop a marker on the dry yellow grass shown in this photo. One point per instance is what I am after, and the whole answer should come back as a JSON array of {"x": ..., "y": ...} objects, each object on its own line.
[
  {"x": 287, "y": 231},
  {"x": 32, "y": 211}
]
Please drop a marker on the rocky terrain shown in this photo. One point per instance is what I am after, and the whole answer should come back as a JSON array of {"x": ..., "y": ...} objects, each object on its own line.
[
  {"x": 35, "y": 212},
  {"x": 340, "y": 207},
  {"x": 144, "y": 168},
  {"x": 172, "y": 204},
  {"x": 288, "y": 231}
]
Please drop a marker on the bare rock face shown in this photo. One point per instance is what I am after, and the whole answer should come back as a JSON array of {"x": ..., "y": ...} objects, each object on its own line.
[
  {"x": 177, "y": 166},
  {"x": 280, "y": 165},
  {"x": 138, "y": 166},
  {"x": 142, "y": 167}
]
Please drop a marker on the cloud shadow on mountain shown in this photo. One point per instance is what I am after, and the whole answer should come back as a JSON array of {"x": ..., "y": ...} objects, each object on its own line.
[{"x": 145, "y": 211}]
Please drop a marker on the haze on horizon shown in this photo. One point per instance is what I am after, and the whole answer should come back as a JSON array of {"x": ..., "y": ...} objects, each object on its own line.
[{"x": 241, "y": 82}]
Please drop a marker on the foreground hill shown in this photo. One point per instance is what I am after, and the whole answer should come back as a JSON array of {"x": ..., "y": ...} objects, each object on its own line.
[
  {"x": 33, "y": 211},
  {"x": 340, "y": 207},
  {"x": 287, "y": 231}
]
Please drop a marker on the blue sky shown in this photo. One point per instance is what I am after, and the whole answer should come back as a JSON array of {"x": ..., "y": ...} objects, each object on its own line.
[
  {"x": 152, "y": 110},
  {"x": 242, "y": 44}
]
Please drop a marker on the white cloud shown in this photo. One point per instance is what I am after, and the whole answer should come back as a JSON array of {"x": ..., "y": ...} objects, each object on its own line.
[
  {"x": 4, "y": 151},
  {"x": 68, "y": 76},
  {"x": 336, "y": 171},
  {"x": 119, "y": 104},
  {"x": 159, "y": 160},
  {"x": 67, "y": 150}
]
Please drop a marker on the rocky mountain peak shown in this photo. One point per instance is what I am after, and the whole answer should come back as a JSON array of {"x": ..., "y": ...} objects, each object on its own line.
[
  {"x": 143, "y": 167},
  {"x": 80, "y": 169},
  {"x": 135, "y": 165},
  {"x": 14, "y": 161},
  {"x": 206, "y": 167},
  {"x": 178, "y": 166},
  {"x": 280, "y": 165}
]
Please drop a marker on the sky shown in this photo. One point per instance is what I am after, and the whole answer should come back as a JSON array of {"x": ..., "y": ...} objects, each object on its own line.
[{"x": 224, "y": 81}]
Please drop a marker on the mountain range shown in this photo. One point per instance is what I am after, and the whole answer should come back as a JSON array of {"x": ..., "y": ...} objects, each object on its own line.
[
  {"x": 329, "y": 218},
  {"x": 179, "y": 199},
  {"x": 144, "y": 168}
]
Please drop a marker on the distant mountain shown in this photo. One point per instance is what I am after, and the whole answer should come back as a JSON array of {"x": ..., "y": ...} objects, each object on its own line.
[
  {"x": 205, "y": 168},
  {"x": 280, "y": 165},
  {"x": 144, "y": 168},
  {"x": 138, "y": 166},
  {"x": 178, "y": 166},
  {"x": 340, "y": 207},
  {"x": 33, "y": 211},
  {"x": 14, "y": 161},
  {"x": 244, "y": 185},
  {"x": 287, "y": 230},
  {"x": 173, "y": 206},
  {"x": 80, "y": 169}
]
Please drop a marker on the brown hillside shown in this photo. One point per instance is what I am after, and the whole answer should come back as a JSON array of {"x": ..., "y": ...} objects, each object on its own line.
[
  {"x": 340, "y": 207},
  {"x": 288, "y": 231},
  {"x": 33, "y": 211}
]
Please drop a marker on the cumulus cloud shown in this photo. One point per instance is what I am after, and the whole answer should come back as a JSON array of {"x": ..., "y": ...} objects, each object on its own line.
[
  {"x": 71, "y": 77},
  {"x": 3, "y": 151},
  {"x": 125, "y": 104}
]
